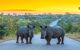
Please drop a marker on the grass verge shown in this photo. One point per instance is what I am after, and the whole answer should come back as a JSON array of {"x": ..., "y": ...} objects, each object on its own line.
[
  {"x": 6, "y": 38},
  {"x": 75, "y": 36}
]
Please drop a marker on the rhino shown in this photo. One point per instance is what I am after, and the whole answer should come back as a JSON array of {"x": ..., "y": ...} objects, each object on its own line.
[
  {"x": 49, "y": 33},
  {"x": 25, "y": 33}
]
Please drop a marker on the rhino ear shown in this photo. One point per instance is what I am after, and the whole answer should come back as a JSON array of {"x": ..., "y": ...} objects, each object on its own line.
[
  {"x": 40, "y": 26},
  {"x": 45, "y": 26}
]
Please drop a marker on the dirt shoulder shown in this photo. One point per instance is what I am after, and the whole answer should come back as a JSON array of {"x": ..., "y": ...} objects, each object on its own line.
[{"x": 75, "y": 36}]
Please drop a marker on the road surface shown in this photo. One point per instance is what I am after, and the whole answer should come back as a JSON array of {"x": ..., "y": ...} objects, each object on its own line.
[{"x": 40, "y": 44}]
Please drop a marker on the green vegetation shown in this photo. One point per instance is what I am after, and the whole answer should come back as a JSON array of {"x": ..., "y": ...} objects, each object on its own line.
[{"x": 70, "y": 22}]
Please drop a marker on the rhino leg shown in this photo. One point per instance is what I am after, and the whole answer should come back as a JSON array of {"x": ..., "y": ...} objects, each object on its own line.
[
  {"x": 62, "y": 40},
  {"x": 22, "y": 39},
  {"x": 17, "y": 39},
  {"x": 30, "y": 40},
  {"x": 58, "y": 40},
  {"x": 48, "y": 39},
  {"x": 26, "y": 40}
]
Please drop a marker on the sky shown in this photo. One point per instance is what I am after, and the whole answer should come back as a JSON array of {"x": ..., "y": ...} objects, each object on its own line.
[{"x": 40, "y": 6}]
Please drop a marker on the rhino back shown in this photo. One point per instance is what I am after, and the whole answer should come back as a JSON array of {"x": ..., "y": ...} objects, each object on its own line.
[
  {"x": 22, "y": 31},
  {"x": 55, "y": 31}
]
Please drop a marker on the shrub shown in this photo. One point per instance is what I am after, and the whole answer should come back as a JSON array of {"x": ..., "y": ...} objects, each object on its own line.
[
  {"x": 2, "y": 33},
  {"x": 66, "y": 25}
]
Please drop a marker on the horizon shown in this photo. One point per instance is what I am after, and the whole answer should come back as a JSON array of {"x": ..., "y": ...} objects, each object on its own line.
[{"x": 18, "y": 11}]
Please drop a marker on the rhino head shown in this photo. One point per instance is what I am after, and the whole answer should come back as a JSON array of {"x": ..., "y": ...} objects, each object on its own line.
[{"x": 43, "y": 31}]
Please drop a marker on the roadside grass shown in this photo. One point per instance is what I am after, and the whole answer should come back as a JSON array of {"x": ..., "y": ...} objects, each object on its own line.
[
  {"x": 6, "y": 38},
  {"x": 75, "y": 36}
]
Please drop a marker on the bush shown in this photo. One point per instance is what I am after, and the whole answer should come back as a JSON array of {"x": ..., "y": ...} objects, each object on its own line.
[
  {"x": 66, "y": 25},
  {"x": 2, "y": 33}
]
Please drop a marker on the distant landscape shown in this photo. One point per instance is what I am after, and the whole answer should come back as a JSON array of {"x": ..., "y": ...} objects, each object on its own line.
[{"x": 69, "y": 22}]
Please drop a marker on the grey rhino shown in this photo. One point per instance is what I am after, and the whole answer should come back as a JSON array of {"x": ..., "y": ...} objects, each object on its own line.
[
  {"x": 25, "y": 32},
  {"x": 48, "y": 33}
]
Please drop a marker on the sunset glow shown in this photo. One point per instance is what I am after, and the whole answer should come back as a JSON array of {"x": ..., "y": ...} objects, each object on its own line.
[{"x": 40, "y": 6}]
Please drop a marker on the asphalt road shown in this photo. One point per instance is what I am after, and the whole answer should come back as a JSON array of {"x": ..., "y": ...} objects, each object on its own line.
[{"x": 40, "y": 44}]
